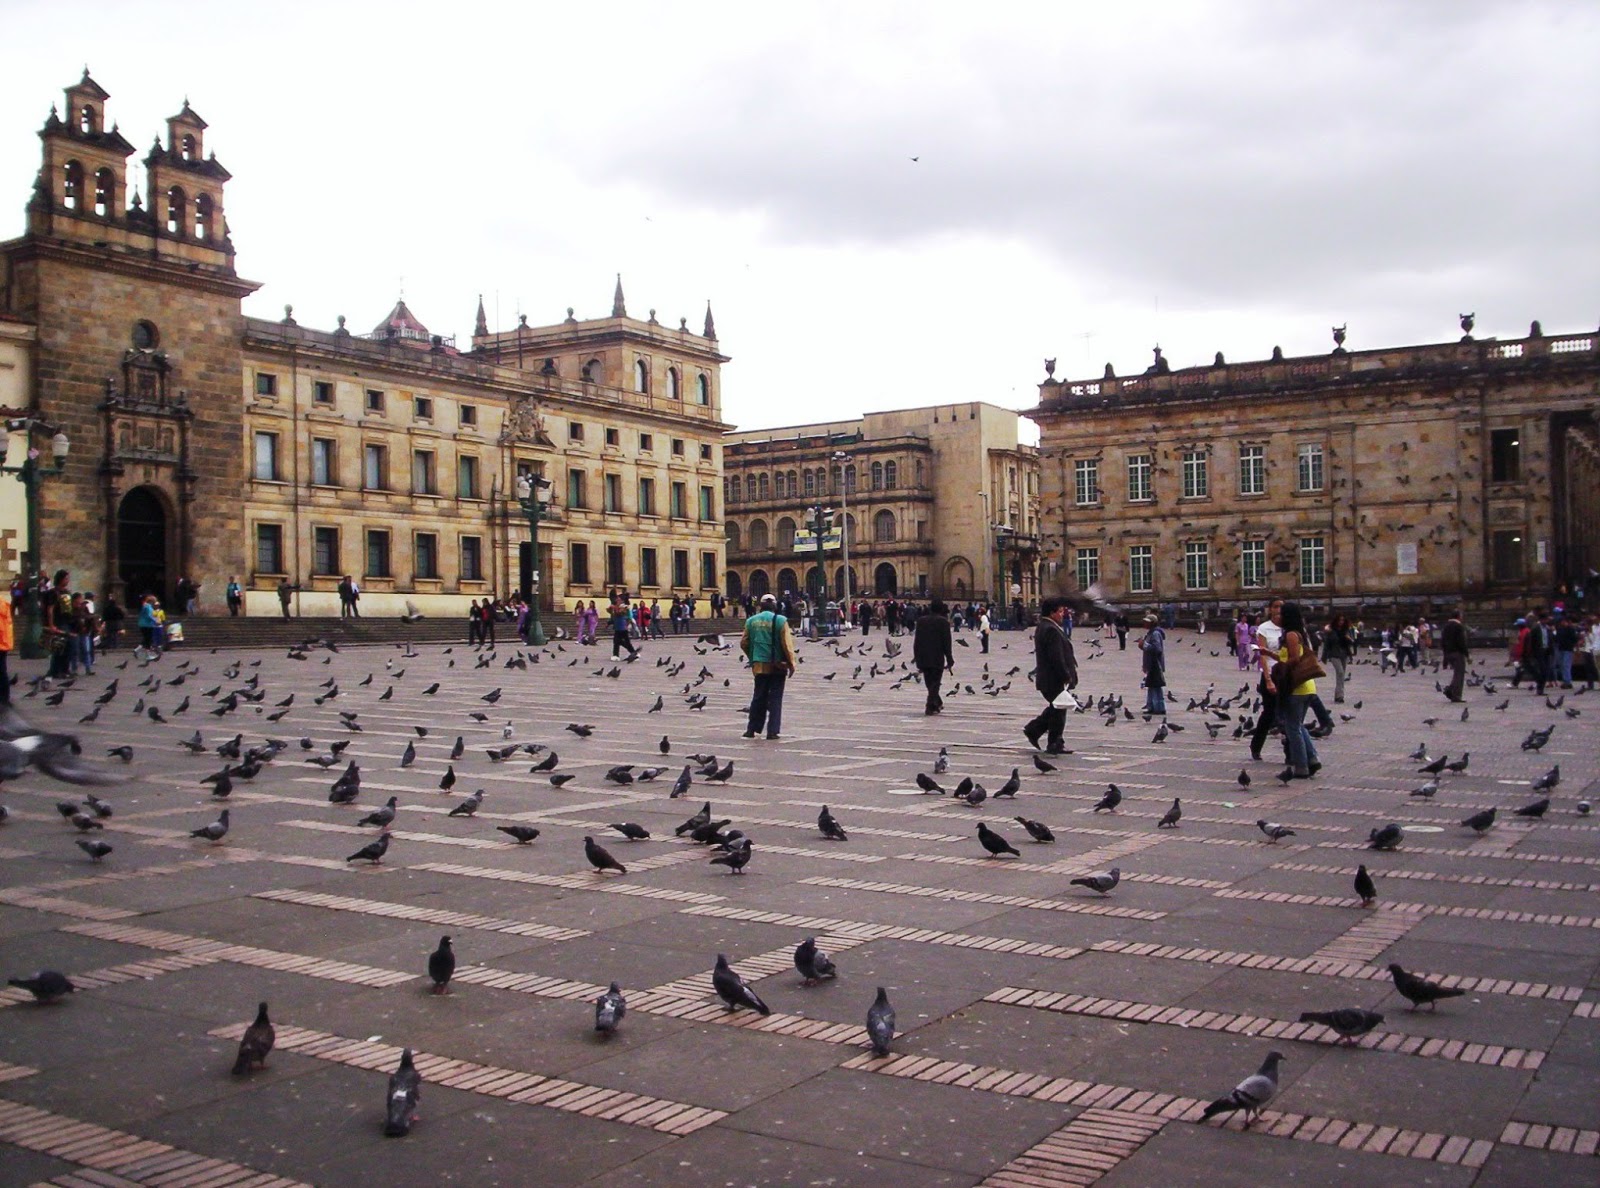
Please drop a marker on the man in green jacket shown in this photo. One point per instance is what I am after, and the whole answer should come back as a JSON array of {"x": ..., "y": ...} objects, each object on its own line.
[{"x": 770, "y": 648}]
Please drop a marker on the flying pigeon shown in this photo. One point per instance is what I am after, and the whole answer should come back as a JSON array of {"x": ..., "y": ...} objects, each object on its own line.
[
  {"x": 442, "y": 966},
  {"x": 1420, "y": 990},
  {"x": 1102, "y": 883},
  {"x": 1249, "y": 1094},
  {"x": 880, "y": 1023},
  {"x": 405, "y": 1089},
  {"x": 733, "y": 991},
  {"x": 609, "y": 1009}
]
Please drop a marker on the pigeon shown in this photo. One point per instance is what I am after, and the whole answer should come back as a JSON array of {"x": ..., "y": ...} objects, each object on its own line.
[
  {"x": 1535, "y": 810},
  {"x": 95, "y": 849},
  {"x": 656, "y": 708},
  {"x": 722, "y": 775},
  {"x": 880, "y": 1023},
  {"x": 1161, "y": 734},
  {"x": 976, "y": 795},
  {"x": 1172, "y": 816},
  {"x": 1101, "y": 883},
  {"x": 255, "y": 1044},
  {"x": 928, "y": 784},
  {"x": 562, "y": 779},
  {"x": 1420, "y": 990},
  {"x": 1420, "y": 755},
  {"x": 125, "y": 753},
  {"x": 733, "y": 991},
  {"x": 682, "y": 784},
  {"x": 620, "y": 775},
  {"x": 1350, "y": 1022},
  {"x": 830, "y": 828},
  {"x": 1460, "y": 765},
  {"x": 1040, "y": 765},
  {"x": 1386, "y": 838},
  {"x": 631, "y": 831},
  {"x": 85, "y": 822},
  {"x": 1365, "y": 887},
  {"x": 469, "y": 806},
  {"x": 609, "y": 1009},
  {"x": 941, "y": 763},
  {"x": 995, "y": 843},
  {"x": 442, "y": 966},
  {"x": 1112, "y": 798},
  {"x": 1436, "y": 766},
  {"x": 383, "y": 817},
  {"x": 583, "y": 730},
  {"x": 215, "y": 831},
  {"x": 46, "y": 986},
  {"x": 1480, "y": 822},
  {"x": 814, "y": 965},
  {"x": 1038, "y": 830},
  {"x": 1426, "y": 790},
  {"x": 736, "y": 855},
  {"x": 711, "y": 832},
  {"x": 599, "y": 858},
  {"x": 522, "y": 834},
  {"x": 1249, "y": 1094},
  {"x": 405, "y": 1088},
  {"x": 1009, "y": 788},
  {"x": 694, "y": 822},
  {"x": 1273, "y": 830},
  {"x": 373, "y": 851},
  {"x": 1537, "y": 739},
  {"x": 1548, "y": 780},
  {"x": 409, "y": 755},
  {"x": 68, "y": 808},
  {"x": 548, "y": 763},
  {"x": 1244, "y": 778}
]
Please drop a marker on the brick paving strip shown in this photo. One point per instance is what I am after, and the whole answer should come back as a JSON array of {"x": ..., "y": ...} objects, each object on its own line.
[
  {"x": 479, "y": 843},
  {"x": 1526, "y": 1059},
  {"x": 1470, "y": 852},
  {"x": 1432, "y": 876},
  {"x": 1564, "y": 1139},
  {"x": 592, "y": 1101},
  {"x": 1351, "y": 1136},
  {"x": 1082, "y": 1151},
  {"x": 593, "y": 881},
  {"x": 1422, "y": 909},
  {"x": 1085, "y": 907},
  {"x": 406, "y": 911},
  {"x": 1371, "y": 936},
  {"x": 762, "y": 965},
  {"x": 1070, "y": 866},
  {"x": 15, "y": 1072},
  {"x": 126, "y": 1157},
  {"x": 115, "y": 975}
]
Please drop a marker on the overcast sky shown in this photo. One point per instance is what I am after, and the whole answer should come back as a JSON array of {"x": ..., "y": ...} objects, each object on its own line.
[{"x": 1090, "y": 179}]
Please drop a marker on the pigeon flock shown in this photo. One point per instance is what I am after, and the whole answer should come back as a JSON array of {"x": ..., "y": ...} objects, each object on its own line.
[{"x": 402, "y": 798}]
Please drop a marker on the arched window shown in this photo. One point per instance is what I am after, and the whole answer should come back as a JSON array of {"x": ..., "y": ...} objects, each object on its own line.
[
  {"x": 883, "y": 526},
  {"x": 105, "y": 193},
  {"x": 758, "y": 536},
  {"x": 202, "y": 217},
  {"x": 750, "y": 486},
  {"x": 850, "y": 529},
  {"x": 850, "y": 479},
  {"x": 766, "y": 487},
  {"x": 759, "y": 584},
  {"x": 838, "y": 583},
  {"x": 785, "y": 533},
  {"x": 814, "y": 580},
  {"x": 731, "y": 531},
  {"x": 641, "y": 376},
  {"x": 672, "y": 384},
  {"x": 877, "y": 476},
  {"x": 885, "y": 580},
  {"x": 787, "y": 581},
  {"x": 734, "y": 584},
  {"x": 188, "y": 149},
  {"x": 730, "y": 490},
  {"x": 891, "y": 475},
  {"x": 779, "y": 485},
  {"x": 177, "y": 201},
  {"x": 591, "y": 371},
  {"x": 72, "y": 187},
  {"x": 86, "y": 119},
  {"x": 794, "y": 484},
  {"x": 702, "y": 386}
]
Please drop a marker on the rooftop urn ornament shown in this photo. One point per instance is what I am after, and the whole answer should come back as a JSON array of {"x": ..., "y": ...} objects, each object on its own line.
[
  {"x": 1338, "y": 338},
  {"x": 1467, "y": 322},
  {"x": 1160, "y": 366},
  {"x": 341, "y": 329},
  {"x": 1219, "y": 361},
  {"x": 288, "y": 316},
  {"x": 1277, "y": 354},
  {"x": 1535, "y": 330},
  {"x": 1110, "y": 372},
  {"x": 1050, "y": 369}
]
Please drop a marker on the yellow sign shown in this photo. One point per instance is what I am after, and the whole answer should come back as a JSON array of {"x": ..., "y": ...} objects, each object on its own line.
[{"x": 806, "y": 542}]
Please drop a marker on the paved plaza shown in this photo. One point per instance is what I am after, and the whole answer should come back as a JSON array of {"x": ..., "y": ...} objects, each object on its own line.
[{"x": 1048, "y": 1035}]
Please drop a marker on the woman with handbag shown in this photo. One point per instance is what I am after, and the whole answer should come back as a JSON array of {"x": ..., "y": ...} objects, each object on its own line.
[{"x": 1293, "y": 681}]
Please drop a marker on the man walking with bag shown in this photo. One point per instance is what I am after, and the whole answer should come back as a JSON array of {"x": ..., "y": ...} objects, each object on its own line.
[
  {"x": 770, "y": 648},
  {"x": 1055, "y": 671}
]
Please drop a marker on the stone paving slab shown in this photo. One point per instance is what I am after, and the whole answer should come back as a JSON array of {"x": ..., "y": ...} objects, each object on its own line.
[{"x": 1049, "y": 1036}]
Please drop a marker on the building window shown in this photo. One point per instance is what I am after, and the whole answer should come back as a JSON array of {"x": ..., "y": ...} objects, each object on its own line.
[
  {"x": 647, "y": 442},
  {"x": 877, "y": 476},
  {"x": 785, "y": 534},
  {"x": 850, "y": 480},
  {"x": 641, "y": 376},
  {"x": 324, "y": 464},
  {"x": 322, "y": 391},
  {"x": 613, "y": 437},
  {"x": 614, "y": 570},
  {"x": 749, "y": 486},
  {"x": 1139, "y": 468},
  {"x": 325, "y": 552},
  {"x": 672, "y": 384},
  {"x": 422, "y": 408},
  {"x": 1196, "y": 475},
  {"x": 1253, "y": 564},
  {"x": 1310, "y": 468},
  {"x": 267, "y": 457},
  {"x": 1505, "y": 461},
  {"x": 426, "y": 555},
  {"x": 577, "y": 496},
  {"x": 891, "y": 476},
  {"x": 613, "y": 492},
  {"x": 707, "y": 454},
  {"x": 469, "y": 417},
  {"x": 424, "y": 475},
  {"x": 649, "y": 574},
  {"x": 574, "y": 430},
  {"x": 758, "y": 536},
  {"x": 677, "y": 447},
  {"x": 730, "y": 529},
  {"x": 377, "y": 553},
  {"x": 472, "y": 558},
  {"x": 1252, "y": 470},
  {"x": 708, "y": 505},
  {"x": 1086, "y": 482},
  {"x": 1313, "y": 562},
  {"x": 1088, "y": 565},
  {"x": 680, "y": 501},
  {"x": 702, "y": 389},
  {"x": 266, "y": 384},
  {"x": 1196, "y": 565},
  {"x": 374, "y": 400},
  {"x": 647, "y": 496},
  {"x": 467, "y": 471},
  {"x": 1507, "y": 554},
  {"x": 578, "y": 562},
  {"x": 375, "y": 468},
  {"x": 1141, "y": 569},
  {"x": 708, "y": 570},
  {"x": 811, "y": 483},
  {"x": 779, "y": 485},
  {"x": 883, "y": 526},
  {"x": 269, "y": 548},
  {"x": 680, "y": 568}
]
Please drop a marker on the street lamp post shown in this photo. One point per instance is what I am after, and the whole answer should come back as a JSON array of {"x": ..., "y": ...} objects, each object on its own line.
[
  {"x": 819, "y": 525},
  {"x": 533, "y": 493},
  {"x": 841, "y": 458},
  {"x": 1003, "y": 532},
  {"x": 30, "y": 474}
]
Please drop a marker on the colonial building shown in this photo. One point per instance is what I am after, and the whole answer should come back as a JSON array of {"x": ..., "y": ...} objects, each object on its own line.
[
  {"x": 1407, "y": 474},
  {"x": 209, "y": 444},
  {"x": 932, "y": 501}
]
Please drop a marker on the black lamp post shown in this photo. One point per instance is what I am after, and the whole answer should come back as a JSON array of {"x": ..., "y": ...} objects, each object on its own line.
[
  {"x": 819, "y": 525},
  {"x": 1003, "y": 533},
  {"x": 533, "y": 494},
  {"x": 30, "y": 474}
]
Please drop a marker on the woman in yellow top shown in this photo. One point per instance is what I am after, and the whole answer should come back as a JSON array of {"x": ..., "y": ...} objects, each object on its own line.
[{"x": 1292, "y": 703}]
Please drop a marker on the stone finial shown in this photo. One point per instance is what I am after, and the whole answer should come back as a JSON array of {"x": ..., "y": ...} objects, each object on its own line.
[
  {"x": 1535, "y": 330},
  {"x": 710, "y": 330},
  {"x": 653, "y": 321},
  {"x": 570, "y": 316},
  {"x": 1277, "y": 354},
  {"x": 683, "y": 325},
  {"x": 1049, "y": 369},
  {"x": 619, "y": 308},
  {"x": 1159, "y": 366},
  {"x": 549, "y": 368},
  {"x": 1338, "y": 338},
  {"x": 1110, "y": 372},
  {"x": 1219, "y": 361},
  {"x": 1468, "y": 320},
  {"x": 288, "y": 316},
  {"x": 481, "y": 328},
  {"x": 341, "y": 329}
]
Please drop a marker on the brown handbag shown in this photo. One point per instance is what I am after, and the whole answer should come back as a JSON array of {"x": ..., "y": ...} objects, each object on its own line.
[{"x": 1307, "y": 668}]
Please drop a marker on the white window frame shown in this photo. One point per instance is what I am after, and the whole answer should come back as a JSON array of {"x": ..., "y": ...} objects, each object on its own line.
[
  {"x": 1086, "y": 482},
  {"x": 1141, "y": 569},
  {"x": 1252, "y": 469},
  {"x": 1310, "y": 468},
  {"x": 1196, "y": 565},
  {"x": 1086, "y": 564},
  {"x": 1253, "y": 564},
  {"x": 1313, "y": 558},
  {"x": 1141, "y": 468},
  {"x": 1196, "y": 475}
]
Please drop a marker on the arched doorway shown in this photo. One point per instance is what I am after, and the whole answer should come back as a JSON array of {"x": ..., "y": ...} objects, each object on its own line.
[
  {"x": 142, "y": 547},
  {"x": 885, "y": 580},
  {"x": 788, "y": 583},
  {"x": 735, "y": 585},
  {"x": 759, "y": 584}
]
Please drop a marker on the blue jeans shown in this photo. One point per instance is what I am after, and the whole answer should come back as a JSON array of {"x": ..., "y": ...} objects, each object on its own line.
[
  {"x": 1155, "y": 701},
  {"x": 82, "y": 651},
  {"x": 766, "y": 704},
  {"x": 1291, "y": 720},
  {"x": 1564, "y": 667}
]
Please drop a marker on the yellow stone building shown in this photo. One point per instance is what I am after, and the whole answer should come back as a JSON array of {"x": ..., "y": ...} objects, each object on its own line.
[
  {"x": 1402, "y": 475},
  {"x": 211, "y": 445},
  {"x": 938, "y": 501}
]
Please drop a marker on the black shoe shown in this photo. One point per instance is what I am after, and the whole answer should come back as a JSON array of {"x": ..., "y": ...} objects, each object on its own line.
[
  {"x": 749, "y": 733},
  {"x": 1032, "y": 736},
  {"x": 1313, "y": 768},
  {"x": 1056, "y": 748},
  {"x": 774, "y": 737}
]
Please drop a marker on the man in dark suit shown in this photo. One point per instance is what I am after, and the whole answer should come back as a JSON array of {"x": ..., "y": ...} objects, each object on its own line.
[
  {"x": 1055, "y": 670},
  {"x": 930, "y": 649},
  {"x": 1453, "y": 644}
]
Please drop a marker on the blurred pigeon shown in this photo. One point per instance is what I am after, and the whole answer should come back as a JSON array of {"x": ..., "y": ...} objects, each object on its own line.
[
  {"x": 125, "y": 753},
  {"x": 523, "y": 834},
  {"x": 1548, "y": 780},
  {"x": 1535, "y": 810},
  {"x": 409, "y": 755},
  {"x": 609, "y": 1009},
  {"x": 1172, "y": 816},
  {"x": 215, "y": 831},
  {"x": 46, "y": 986},
  {"x": 95, "y": 849},
  {"x": 733, "y": 991},
  {"x": 722, "y": 775},
  {"x": 599, "y": 858},
  {"x": 255, "y": 1044},
  {"x": 1420, "y": 990},
  {"x": 1273, "y": 830},
  {"x": 1350, "y": 1022},
  {"x": 583, "y": 730},
  {"x": 85, "y": 822},
  {"x": 1479, "y": 822},
  {"x": 1249, "y": 1094},
  {"x": 1040, "y": 765},
  {"x": 442, "y": 966},
  {"x": 682, "y": 784},
  {"x": 562, "y": 779},
  {"x": 995, "y": 843},
  {"x": 1365, "y": 887},
  {"x": 373, "y": 851},
  {"x": 1460, "y": 765},
  {"x": 1244, "y": 778},
  {"x": 1102, "y": 883},
  {"x": 382, "y": 817},
  {"x": 830, "y": 828},
  {"x": 1038, "y": 830},
  {"x": 928, "y": 784},
  {"x": 813, "y": 964},
  {"x": 1112, "y": 798},
  {"x": 548, "y": 763},
  {"x": 1386, "y": 838},
  {"x": 976, "y": 795},
  {"x": 880, "y": 1023},
  {"x": 631, "y": 831},
  {"x": 405, "y": 1089},
  {"x": 694, "y": 822},
  {"x": 468, "y": 806},
  {"x": 1427, "y": 790}
]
